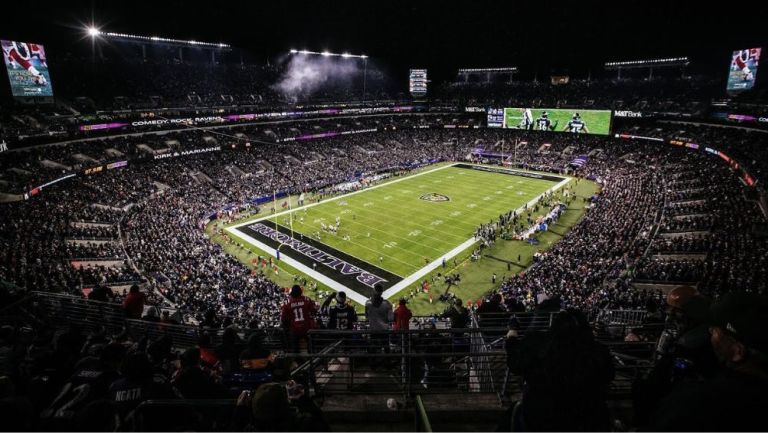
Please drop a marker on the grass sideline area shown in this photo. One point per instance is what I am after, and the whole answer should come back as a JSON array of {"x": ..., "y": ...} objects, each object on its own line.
[{"x": 505, "y": 258}]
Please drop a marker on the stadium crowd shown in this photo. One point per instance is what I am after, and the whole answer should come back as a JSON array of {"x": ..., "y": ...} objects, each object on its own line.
[
  {"x": 142, "y": 227},
  {"x": 160, "y": 204}
]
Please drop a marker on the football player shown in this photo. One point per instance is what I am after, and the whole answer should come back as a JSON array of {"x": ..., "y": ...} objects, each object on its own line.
[
  {"x": 576, "y": 125},
  {"x": 543, "y": 123},
  {"x": 19, "y": 54},
  {"x": 527, "y": 121},
  {"x": 740, "y": 63}
]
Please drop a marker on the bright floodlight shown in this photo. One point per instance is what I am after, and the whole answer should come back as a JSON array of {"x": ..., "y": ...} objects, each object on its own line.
[
  {"x": 363, "y": 56},
  {"x": 294, "y": 51},
  {"x": 346, "y": 55},
  {"x": 93, "y": 31},
  {"x": 326, "y": 53}
]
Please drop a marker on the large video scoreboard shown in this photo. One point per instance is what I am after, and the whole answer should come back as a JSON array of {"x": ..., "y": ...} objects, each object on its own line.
[
  {"x": 417, "y": 83},
  {"x": 27, "y": 69},
  {"x": 743, "y": 70}
]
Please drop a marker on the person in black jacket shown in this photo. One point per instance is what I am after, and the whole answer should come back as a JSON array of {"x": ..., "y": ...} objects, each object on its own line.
[
  {"x": 735, "y": 398},
  {"x": 566, "y": 377},
  {"x": 342, "y": 315},
  {"x": 192, "y": 382}
]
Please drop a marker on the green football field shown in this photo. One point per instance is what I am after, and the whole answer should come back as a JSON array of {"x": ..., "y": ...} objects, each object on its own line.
[
  {"x": 505, "y": 258},
  {"x": 597, "y": 121},
  {"x": 396, "y": 228}
]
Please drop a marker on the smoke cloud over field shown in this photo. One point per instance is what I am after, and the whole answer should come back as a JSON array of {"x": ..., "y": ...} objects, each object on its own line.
[{"x": 307, "y": 74}]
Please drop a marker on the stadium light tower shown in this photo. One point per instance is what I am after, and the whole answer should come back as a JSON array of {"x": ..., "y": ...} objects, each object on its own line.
[
  {"x": 93, "y": 31},
  {"x": 345, "y": 55}
]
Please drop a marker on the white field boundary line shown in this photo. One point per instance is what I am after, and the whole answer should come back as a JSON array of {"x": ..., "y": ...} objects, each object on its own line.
[
  {"x": 416, "y": 276},
  {"x": 335, "y": 285},
  {"x": 306, "y": 270}
]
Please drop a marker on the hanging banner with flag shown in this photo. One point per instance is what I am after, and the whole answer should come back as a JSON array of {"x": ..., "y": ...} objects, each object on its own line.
[{"x": 580, "y": 161}]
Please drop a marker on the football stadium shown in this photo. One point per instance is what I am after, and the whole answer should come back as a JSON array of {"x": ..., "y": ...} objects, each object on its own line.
[{"x": 383, "y": 216}]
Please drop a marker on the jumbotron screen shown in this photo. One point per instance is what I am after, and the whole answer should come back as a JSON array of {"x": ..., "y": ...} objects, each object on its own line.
[
  {"x": 743, "y": 71},
  {"x": 575, "y": 120},
  {"x": 27, "y": 69},
  {"x": 417, "y": 82}
]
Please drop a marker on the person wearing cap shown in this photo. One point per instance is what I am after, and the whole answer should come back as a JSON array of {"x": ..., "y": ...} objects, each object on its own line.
[
  {"x": 735, "y": 398},
  {"x": 297, "y": 317},
  {"x": 402, "y": 316},
  {"x": 342, "y": 315},
  {"x": 457, "y": 314}
]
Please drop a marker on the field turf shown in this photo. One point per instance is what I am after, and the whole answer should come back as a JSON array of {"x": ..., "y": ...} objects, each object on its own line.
[
  {"x": 390, "y": 220},
  {"x": 396, "y": 229}
]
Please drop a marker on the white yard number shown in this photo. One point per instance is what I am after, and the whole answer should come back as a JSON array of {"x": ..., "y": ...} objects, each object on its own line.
[
  {"x": 436, "y": 222},
  {"x": 414, "y": 233},
  {"x": 390, "y": 244}
]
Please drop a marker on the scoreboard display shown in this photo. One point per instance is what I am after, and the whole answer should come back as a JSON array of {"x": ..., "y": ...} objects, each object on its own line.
[
  {"x": 495, "y": 117},
  {"x": 417, "y": 83}
]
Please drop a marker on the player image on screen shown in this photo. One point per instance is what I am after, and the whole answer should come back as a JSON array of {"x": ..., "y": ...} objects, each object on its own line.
[
  {"x": 743, "y": 70},
  {"x": 27, "y": 68},
  {"x": 543, "y": 123},
  {"x": 576, "y": 121},
  {"x": 576, "y": 125},
  {"x": 527, "y": 121}
]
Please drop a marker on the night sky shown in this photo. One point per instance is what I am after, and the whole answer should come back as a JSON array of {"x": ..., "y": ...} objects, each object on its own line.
[{"x": 538, "y": 37}]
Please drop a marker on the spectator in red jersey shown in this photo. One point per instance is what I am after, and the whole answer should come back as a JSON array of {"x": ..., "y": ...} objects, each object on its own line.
[
  {"x": 134, "y": 303},
  {"x": 297, "y": 317},
  {"x": 402, "y": 317}
]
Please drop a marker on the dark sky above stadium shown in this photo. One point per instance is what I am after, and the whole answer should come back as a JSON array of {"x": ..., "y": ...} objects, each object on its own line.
[{"x": 537, "y": 36}]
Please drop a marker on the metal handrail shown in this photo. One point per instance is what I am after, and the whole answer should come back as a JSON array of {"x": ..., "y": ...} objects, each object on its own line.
[{"x": 422, "y": 420}]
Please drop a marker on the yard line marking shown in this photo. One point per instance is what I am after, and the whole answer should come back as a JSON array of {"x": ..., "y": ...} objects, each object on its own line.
[
  {"x": 370, "y": 188},
  {"x": 389, "y": 234},
  {"x": 416, "y": 276},
  {"x": 329, "y": 282},
  {"x": 301, "y": 267}
]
